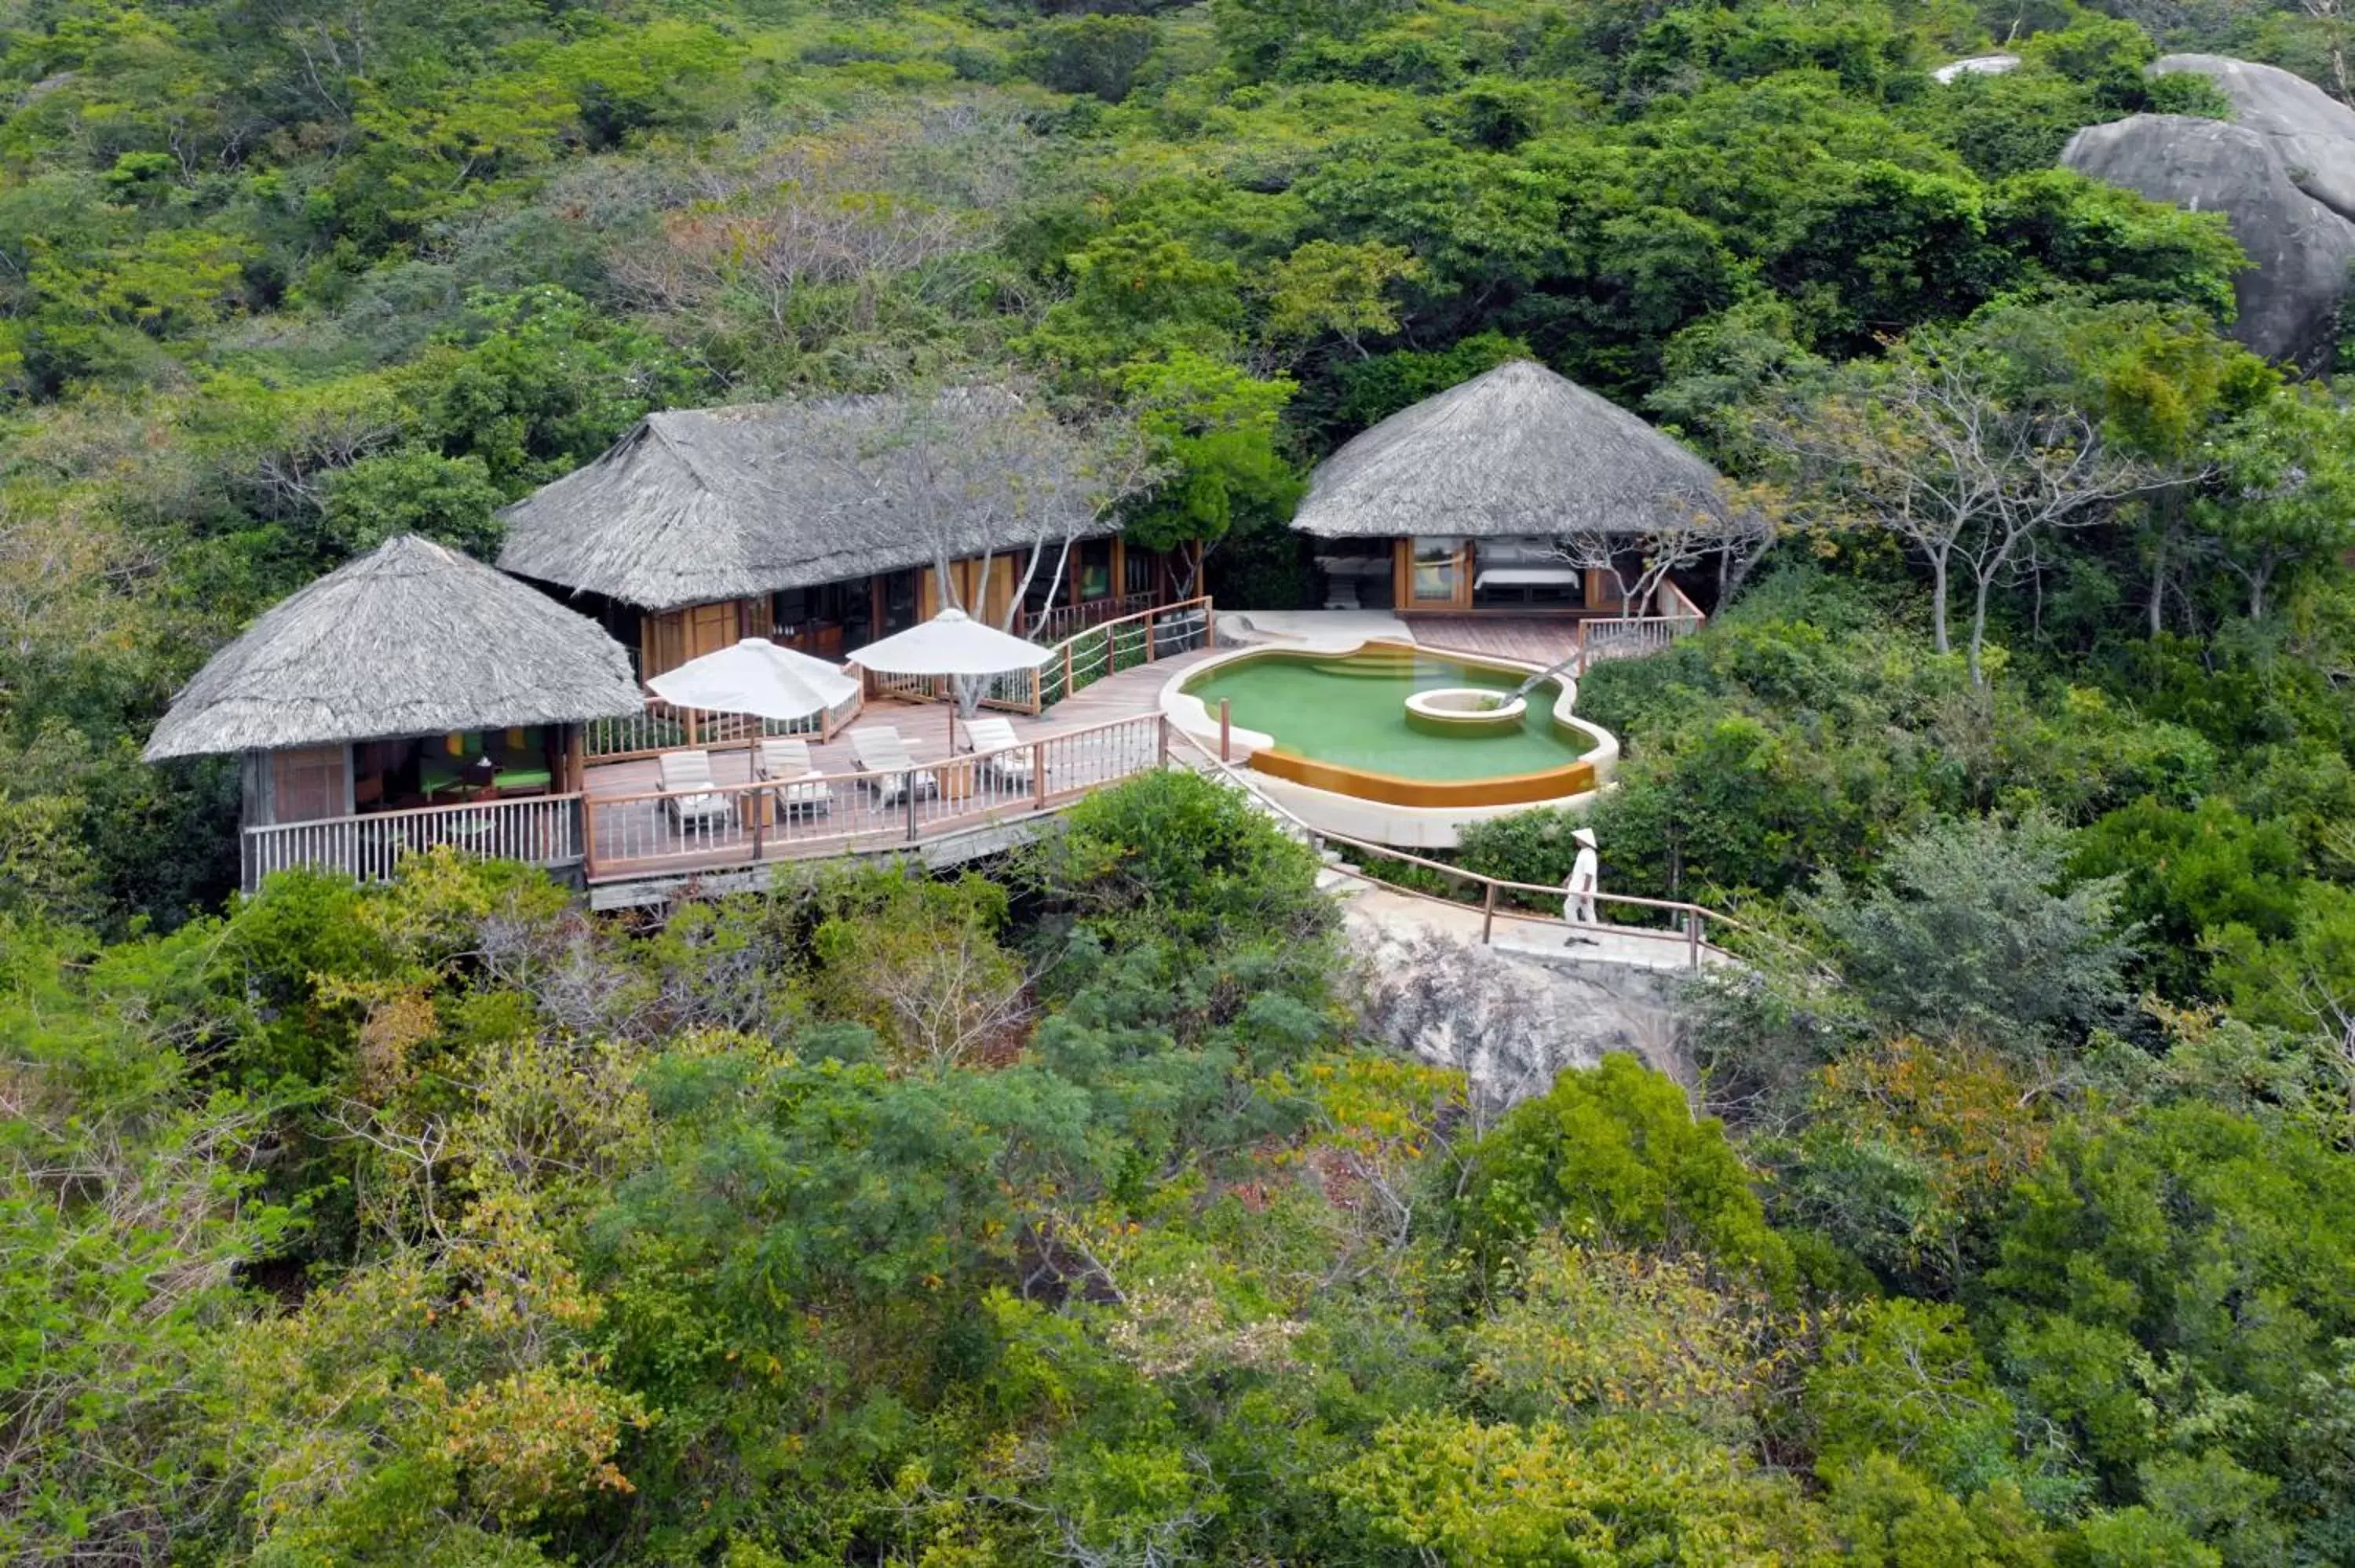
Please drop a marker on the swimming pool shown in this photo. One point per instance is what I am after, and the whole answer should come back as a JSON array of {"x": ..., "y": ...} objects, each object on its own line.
[
  {"x": 1329, "y": 732},
  {"x": 1349, "y": 710}
]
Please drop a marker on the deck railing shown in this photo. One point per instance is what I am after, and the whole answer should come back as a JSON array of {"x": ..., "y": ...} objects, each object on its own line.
[
  {"x": 1065, "y": 620},
  {"x": 1080, "y": 660},
  {"x": 1680, "y": 925},
  {"x": 1672, "y": 600},
  {"x": 734, "y": 825},
  {"x": 1632, "y": 636},
  {"x": 543, "y": 830},
  {"x": 657, "y": 728}
]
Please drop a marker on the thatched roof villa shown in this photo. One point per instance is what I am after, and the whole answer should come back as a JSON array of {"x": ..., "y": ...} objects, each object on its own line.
[
  {"x": 410, "y": 678},
  {"x": 817, "y": 524},
  {"x": 1453, "y": 504}
]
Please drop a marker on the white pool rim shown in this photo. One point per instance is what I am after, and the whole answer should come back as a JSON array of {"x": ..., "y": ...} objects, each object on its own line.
[{"x": 1407, "y": 827}]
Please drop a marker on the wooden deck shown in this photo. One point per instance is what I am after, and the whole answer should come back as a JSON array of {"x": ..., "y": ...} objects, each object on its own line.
[
  {"x": 1529, "y": 638},
  {"x": 1110, "y": 730},
  {"x": 1103, "y": 733},
  {"x": 924, "y": 726}
]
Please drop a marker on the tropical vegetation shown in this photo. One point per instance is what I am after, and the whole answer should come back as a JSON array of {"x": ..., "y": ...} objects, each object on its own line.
[{"x": 1067, "y": 1209}]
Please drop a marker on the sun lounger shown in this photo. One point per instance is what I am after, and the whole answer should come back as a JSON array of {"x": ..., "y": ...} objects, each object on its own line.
[
  {"x": 785, "y": 760},
  {"x": 688, "y": 789},
  {"x": 1011, "y": 759},
  {"x": 881, "y": 750}
]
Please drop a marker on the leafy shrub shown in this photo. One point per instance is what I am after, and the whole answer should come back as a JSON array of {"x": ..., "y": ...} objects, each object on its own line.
[
  {"x": 2223, "y": 1245},
  {"x": 1904, "y": 1378},
  {"x": 1971, "y": 931},
  {"x": 1092, "y": 54},
  {"x": 1547, "y": 1497},
  {"x": 1615, "y": 1152},
  {"x": 1170, "y": 855},
  {"x": 1591, "y": 1331},
  {"x": 2182, "y": 874}
]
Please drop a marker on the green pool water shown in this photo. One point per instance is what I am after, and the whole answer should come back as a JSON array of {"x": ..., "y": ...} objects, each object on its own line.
[{"x": 1351, "y": 710}]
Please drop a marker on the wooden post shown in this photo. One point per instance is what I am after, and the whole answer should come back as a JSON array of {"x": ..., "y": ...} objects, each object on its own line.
[
  {"x": 1149, "y": 651},
  {"x": 1039, "y": 774},
  {"x": 908, "y": 783},
  {"x": 1489, "y": 916},
  {"x": 588, "y": 841},
  {"x": 1066, "y": 668},
  {"x": 1226, "y": 730},
  {"x": 690, "y": 724},
  {"x": 1161, "y": 731},
  {"x": 1692, "y": 937},
  {"x": 576, "y": 758}
]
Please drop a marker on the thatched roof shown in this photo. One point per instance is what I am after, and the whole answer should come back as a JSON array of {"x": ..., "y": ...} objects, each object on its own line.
[
  {"x": 695, "y": 505},
  {"x": 1517, "y": 450},
  {"x": 411, "y": 639}
]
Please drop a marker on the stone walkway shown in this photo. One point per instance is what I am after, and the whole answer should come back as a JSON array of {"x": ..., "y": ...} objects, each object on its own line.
[{"x": 1377, "y": 910}]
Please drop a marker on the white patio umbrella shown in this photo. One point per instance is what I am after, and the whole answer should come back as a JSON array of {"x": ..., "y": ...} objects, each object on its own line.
[
  {"x": 757, "y": 677},
  {"x": 953, "y": 644}
]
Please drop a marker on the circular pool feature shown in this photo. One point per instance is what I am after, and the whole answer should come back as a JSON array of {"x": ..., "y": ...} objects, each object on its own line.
[
  {"x": 1331, "y": 735},
  {"x": 1463, "y": 710}
]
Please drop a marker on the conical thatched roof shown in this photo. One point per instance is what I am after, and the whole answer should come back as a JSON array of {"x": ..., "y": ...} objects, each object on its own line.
[
  {"x": 411, "y": 639},
  {"x": 1517, "y": 450},
  {"x": 698, "y": 504}
]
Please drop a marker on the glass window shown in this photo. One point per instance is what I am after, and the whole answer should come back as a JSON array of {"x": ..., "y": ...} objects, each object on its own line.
[
  {"x": 1095, "y": 568},
  {"x": 1438, "y": 568},
  {"x": 899, "y": 602},
  {"x": 1137, "y": 571},
  {"x": 1047, "y": 586},
  {"x": 857, "y": 613}
]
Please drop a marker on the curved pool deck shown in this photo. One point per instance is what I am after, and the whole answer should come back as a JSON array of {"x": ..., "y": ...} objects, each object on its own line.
[{"x": 1355, "y": 766}]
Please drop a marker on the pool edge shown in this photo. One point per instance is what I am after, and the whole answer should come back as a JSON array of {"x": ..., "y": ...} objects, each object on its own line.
[{"x": 1406, "y": 825}]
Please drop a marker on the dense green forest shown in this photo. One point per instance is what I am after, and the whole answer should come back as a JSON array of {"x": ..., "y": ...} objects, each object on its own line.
[{"x": 1069, "y": 1213}]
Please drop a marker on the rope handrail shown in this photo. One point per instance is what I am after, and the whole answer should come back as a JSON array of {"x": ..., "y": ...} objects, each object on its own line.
[
  {"x": 1502, "y": 884},
  {"x": 1696, "y": 914},
  {"x": 1104, "y": 627}
]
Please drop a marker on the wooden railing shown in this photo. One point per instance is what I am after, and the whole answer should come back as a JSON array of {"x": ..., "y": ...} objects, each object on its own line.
[
  {"x": 1632, "y": 636},
  {"x": 1672, "y": 600},
  {"x": 1078, "y": 662},
  {"x": 543, "y": 830},
  {"x": 1685, "y": 925},
  {"x": 1063, "y": 620},
  {"x": 733, "y": 825},
  {"x": 1162, "y": 633},
  {"x": 658, "y": 728}
]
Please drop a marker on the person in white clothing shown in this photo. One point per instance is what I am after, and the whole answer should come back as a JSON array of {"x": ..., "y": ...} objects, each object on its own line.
[{"x": 1578, "y": 907}]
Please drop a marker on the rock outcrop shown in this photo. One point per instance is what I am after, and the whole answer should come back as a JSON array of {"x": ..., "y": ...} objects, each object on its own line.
[
  {"x": 2314, "y": 132},
  {"x": 1976, "y": 64},
  {"x": 2289, "y": 301},
  {"x": 2282, "y": 173},
  {"x": 1509, "y": 1024}
]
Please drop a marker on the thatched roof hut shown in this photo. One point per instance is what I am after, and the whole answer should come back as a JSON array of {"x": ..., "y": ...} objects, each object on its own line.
[
  {"x": 411, "y": 639},
  {"x": 696, "y": 505},
  {"x": 1515, "y": 451}
]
